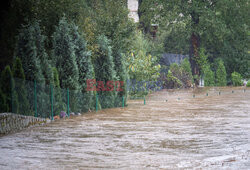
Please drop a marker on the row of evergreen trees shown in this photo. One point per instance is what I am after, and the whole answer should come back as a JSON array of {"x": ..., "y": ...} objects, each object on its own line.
[{"x": 62, "y": 61}]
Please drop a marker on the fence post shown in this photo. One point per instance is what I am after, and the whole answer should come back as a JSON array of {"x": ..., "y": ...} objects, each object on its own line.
[
  {"x": 122, "y": 101},
  {"x": 51, "y": 90},
  {"x": 35, "y": 98},
  {"x": 96, "y": 105},
  {"x": 68, "y": 102}
]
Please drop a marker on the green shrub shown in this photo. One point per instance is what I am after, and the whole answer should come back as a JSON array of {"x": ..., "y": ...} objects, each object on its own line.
[
  {"x": 3, "y": 105},
  {"x": 7, "y": 87},
  {"x": 20, "y": 88},
  {"x": 208, "y": 76},
  {"x": 221, "y": 75},
  {"x": 236, "y": 79},
  {"x": 104, "y": 71},
  {"x": 248, "y": 83},
  {"x": 172, "y": 81}
]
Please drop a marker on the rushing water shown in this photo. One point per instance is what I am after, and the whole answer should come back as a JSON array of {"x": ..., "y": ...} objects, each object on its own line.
[{"x": 174, "y": 130}]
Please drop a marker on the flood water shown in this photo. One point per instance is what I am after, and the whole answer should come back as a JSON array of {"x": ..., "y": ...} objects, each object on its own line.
[{"x": 174, "y": 130}]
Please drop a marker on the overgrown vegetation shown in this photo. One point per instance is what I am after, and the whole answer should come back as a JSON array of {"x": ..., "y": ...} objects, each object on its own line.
[
  {"x": 62, "y": 44},
  {"x": 236, "y": 79}
]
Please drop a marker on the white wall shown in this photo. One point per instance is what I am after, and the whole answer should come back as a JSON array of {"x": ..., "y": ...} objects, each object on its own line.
[{"x": 133, "y": 8}]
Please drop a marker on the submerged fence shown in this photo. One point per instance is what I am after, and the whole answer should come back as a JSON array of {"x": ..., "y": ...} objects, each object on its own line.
[{"x": 46, "y": 101}]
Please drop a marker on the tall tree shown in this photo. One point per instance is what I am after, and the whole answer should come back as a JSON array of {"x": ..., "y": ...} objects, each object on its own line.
[
  {"x": 26, "y": 50},
  {"x": 214, "y": 25},
  {"x": 86, "y": 68},
  {"x": 20, "y": 87},
  {"x": 65, "y": 61},
  {"x": 104, "y": 71},
  {"x": 8, "y": 90}
]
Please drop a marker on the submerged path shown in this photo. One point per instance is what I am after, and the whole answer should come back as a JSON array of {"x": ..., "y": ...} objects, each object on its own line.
[{"x": 174, "y": 130}]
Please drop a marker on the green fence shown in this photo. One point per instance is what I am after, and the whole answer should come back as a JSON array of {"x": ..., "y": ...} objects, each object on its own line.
[
  {"x": 40, "y": 100},
  {"x": 46, "y": 101}
]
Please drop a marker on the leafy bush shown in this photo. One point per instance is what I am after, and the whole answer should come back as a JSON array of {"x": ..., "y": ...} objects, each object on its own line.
[
  {"x": 187, "y": 77},
  {"x": 208, "y": 76},
  {"x": 221, "y": 75},
  {"x": 248, "y": 83},
  {"x": 179, "y": 76},
  {"x": 236, "y": 79},
  {"x": 172, "y": 81}
]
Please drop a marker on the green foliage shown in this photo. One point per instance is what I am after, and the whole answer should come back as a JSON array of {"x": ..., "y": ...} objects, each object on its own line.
[
  {"x": 7, "y": 88},
  {"x": 56, "y": 81},
  {"x": 236, "y": 79},
  {"x": 177, "y": 40},
  {"x": 86, "y": 68},
  {"x": 65, "y": 60},
  {"x": 208, "y": 76},
  {"x": 46, "y": 67},
  {"x": 141, "y": 65},
  {"x": 221, "y": 75},
  {"x": 186, "y": 73},
  {"x": 20, "y": 87},
  {"x": 172, "y": 81},
  {"x": 26, "y": 50},
  {"x": 202, "y": 61},
  {"x": 248, "y": 83},
  {"x": 3, "y": 105},
  {"x": 104, "y": 70},
  {"x": 179, "y": 76},
  {"x": 64, "y": 56},
  {"x": 58, "y": 102},
  {"x": 122, "y": 75},
  {"x": 18, "y": 71}
]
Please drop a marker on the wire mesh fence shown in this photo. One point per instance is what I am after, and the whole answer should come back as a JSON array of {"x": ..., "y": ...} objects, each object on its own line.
[
  {"x": 40, "y": 100},
  {"x": 46, "y": 101}
]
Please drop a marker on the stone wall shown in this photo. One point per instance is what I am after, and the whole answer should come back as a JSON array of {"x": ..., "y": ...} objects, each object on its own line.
[{"x": 10, "y": 122}]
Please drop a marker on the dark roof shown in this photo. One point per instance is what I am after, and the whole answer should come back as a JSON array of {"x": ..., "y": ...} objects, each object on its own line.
[{"x": 168, "y": 59}]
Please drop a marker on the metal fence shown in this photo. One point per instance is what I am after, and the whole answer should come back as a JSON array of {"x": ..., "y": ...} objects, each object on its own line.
[{"x": 40, "y": 100}]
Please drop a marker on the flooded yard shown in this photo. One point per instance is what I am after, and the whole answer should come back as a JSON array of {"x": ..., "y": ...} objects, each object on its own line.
[{"x": 177, "y": 129}]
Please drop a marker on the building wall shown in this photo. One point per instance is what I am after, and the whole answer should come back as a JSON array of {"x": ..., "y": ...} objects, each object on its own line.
[{"x": 133, "y": 8}]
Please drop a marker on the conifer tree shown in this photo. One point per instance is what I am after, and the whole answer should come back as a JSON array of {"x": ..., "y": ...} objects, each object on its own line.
[
  {"x": 221, "y": 74},
  {"x": 8, "y": 90},
  {"x": 85, "y": 66},
  {"x": 208, "y": 76},
  {"x": 26, "y": 50},
  {"x": 58, "y": 103},
  {"x": 104, "y": 70},
  {"x": 20, "y": 87},
  {"x": 65, "y": 60},
  {"x": 3, "y": 105},
  {"x": 42, "y": 55}
]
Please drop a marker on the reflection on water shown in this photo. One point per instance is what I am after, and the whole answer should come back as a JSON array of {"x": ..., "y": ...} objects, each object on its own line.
[{"x": 176, "y": 129}]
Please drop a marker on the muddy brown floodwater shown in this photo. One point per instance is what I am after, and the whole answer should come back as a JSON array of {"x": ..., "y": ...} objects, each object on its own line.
[{"x": 174, "y": 130}]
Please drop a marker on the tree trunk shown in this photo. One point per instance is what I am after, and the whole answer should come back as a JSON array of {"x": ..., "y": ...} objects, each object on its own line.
[{"x": 194, "y": 48}]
